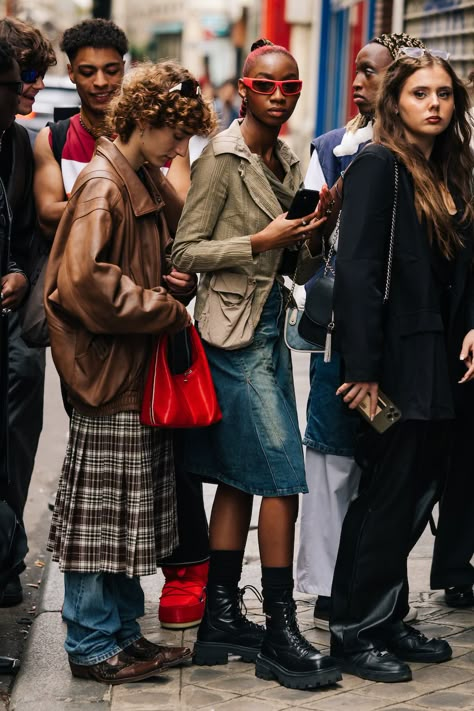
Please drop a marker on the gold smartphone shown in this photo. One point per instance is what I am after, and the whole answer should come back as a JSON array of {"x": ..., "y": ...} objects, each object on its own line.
[{"x": 386, "y": 414}]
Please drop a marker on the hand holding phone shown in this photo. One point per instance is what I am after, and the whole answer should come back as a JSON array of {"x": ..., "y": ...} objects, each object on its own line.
[
  {"x": 304, "y": 203},
  {"x": 379, "y": 411},
  {"x": 386, "y": 413}
]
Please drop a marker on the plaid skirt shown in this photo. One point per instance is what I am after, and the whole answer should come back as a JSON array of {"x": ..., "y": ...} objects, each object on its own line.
[{"x": 115, "y": 508}]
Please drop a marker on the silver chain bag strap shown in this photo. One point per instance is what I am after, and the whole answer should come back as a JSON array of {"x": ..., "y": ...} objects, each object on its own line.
[{"x": 316, "y": 324}]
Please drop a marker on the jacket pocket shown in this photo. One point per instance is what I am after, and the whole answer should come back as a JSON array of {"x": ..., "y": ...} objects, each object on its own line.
[
  {"x": 88, "y": 343},
  {"x": 105, "y": 366},
  {"x": 419, "y": 322},
  {"x": 226, "y": 319}
]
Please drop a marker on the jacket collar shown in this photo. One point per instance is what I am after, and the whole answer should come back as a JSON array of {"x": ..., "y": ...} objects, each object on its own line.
[
  {"x": 141, "y": 201},
  {"x": 251, "y": 171},
  {"x": 231, "y": 141}
]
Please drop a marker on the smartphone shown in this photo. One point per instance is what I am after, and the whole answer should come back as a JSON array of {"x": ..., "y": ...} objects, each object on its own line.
[
  {"x": 386, "y": 414},
  {"x": 304, "y": 203}
]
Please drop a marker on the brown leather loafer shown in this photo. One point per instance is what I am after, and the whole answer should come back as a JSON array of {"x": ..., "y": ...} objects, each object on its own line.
[
  {"x": 125, "y": 671},
  {"x": 170, "y": 656}
]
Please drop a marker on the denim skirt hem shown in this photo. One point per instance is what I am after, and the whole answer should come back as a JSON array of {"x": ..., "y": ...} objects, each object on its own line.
[{"x": 218, "y": 478}]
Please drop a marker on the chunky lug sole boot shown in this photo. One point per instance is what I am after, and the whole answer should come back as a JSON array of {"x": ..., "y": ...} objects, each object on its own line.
[
  {"x": 183, "y": 597},
  {"x": 225, "y": 630},
  {"x": 288, "y": 657}
]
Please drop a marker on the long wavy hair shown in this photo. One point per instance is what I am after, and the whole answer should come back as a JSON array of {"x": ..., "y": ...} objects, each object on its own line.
[{"x": 451, "y": 162}]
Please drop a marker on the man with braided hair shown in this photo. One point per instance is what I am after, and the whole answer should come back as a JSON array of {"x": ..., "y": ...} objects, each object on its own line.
[{"x": 332, "y": 474}]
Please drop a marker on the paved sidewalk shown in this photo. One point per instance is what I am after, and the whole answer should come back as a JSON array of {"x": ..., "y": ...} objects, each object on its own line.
[{"x": 45, "y": 682}]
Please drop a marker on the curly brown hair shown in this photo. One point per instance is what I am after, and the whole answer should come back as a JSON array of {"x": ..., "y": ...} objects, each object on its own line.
[
  {"x": 32, "y": 49},
  {"x": 451, "y": 162},
  {"x": 145, "y": 98}
]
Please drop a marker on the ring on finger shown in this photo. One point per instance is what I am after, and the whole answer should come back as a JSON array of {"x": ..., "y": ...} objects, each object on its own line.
[{"x": 303, "y": 223}]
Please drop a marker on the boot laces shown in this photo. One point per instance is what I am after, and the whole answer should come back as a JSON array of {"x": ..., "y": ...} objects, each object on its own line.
[
  {"x": 242, "y": 609},
  {"x": 300, "y": 642},
  {"x": 413, "y": 632}
]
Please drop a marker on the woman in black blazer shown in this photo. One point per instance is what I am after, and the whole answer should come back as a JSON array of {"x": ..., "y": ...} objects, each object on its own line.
[{"x": 417, "y": 348}]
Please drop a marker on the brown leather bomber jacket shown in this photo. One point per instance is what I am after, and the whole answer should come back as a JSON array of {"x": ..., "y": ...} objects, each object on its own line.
[{"x": 103, "y": 297}]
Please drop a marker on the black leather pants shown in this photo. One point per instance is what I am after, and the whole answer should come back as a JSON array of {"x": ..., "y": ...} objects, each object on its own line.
[{"x": 401, "y": 473}]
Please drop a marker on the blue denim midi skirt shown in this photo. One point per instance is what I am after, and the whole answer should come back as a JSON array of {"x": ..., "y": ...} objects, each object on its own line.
[{"x": 257, "y": 445}]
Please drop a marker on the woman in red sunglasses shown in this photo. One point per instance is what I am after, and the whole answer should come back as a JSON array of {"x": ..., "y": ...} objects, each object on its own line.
[{"x": 234, "y": 232}]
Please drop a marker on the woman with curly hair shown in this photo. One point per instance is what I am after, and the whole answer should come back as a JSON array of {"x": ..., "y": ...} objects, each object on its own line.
[
  {"x": 109, "y": 290},
  {"x": 417, "y": 347}
]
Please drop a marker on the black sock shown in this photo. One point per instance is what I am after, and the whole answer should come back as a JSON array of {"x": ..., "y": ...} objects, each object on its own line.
[
  {"x": 277, "y": 583},
  {"x": 225, "y": 567}
]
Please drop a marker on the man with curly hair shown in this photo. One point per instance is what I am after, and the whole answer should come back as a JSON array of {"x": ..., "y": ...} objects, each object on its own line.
[
  {"x": 34, "y": 55},
  {"x": 96, "y": 49}
]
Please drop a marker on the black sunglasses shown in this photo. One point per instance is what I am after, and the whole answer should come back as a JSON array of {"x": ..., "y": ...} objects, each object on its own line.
[
  {"x": 16, "y": 86},
  {"x": 187, "y": 88},
  {"x": 29, "y": 76}
]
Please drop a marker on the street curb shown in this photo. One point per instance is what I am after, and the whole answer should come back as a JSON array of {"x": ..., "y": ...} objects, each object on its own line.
[{"x": 44, "y": 681}]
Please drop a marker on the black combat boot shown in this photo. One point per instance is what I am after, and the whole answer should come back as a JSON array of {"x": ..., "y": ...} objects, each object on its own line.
[
  {"x": 224, "y": 628},
  {"x": 287, "y": 656}
]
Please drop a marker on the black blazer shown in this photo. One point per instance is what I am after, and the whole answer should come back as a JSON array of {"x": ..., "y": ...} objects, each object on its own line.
[{"x": 403, "y": 345}]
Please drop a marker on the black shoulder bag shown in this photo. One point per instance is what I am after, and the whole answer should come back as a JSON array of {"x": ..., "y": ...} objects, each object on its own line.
[{"x": 316, "y": 325}]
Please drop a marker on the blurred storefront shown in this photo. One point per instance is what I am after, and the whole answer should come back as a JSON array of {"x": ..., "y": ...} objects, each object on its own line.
[{"x": 444, "y": 24}]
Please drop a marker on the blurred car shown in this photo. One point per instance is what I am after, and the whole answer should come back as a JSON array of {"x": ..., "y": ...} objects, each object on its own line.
[{"x": 59, "y": 93}]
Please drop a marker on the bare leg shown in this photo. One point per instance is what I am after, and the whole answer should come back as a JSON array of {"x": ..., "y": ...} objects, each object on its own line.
[
  {"x": 230, "y": 519},
  {"x": 276, "y": 530}
]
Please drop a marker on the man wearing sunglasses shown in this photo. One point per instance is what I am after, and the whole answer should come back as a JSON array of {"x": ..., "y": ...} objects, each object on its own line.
[{"x": 34, "y": 55}]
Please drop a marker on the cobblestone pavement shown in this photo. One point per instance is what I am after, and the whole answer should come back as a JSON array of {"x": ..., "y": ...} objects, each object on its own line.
[{"x": 45, "y": 682}]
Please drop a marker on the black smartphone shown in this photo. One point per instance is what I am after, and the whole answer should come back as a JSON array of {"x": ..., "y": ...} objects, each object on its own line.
[{"x": 304, "y": 203}]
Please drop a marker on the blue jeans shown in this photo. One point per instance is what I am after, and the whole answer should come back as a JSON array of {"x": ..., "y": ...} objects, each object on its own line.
[
  {"x": 101, "y": 611},
  {"x": 331, "y": 427}
]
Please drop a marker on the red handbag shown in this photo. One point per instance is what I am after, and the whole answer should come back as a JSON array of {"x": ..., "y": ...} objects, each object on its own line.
[{"x": 186, "y": 399}]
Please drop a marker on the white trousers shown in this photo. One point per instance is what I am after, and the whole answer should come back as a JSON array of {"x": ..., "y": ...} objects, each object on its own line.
[{"x": 333, "y": 482}]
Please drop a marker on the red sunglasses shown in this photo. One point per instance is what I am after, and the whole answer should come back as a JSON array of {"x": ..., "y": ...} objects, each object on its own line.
[{"x": 289, "y": 87}]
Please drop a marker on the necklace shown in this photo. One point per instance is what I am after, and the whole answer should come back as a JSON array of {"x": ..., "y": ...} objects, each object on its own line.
[{"x": 95, "y": 132}]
